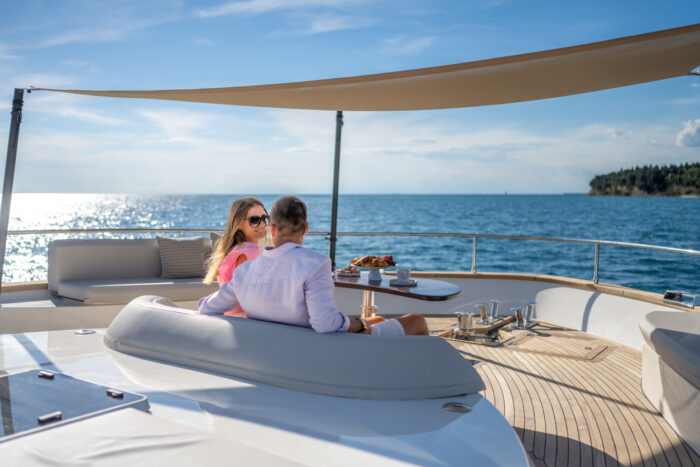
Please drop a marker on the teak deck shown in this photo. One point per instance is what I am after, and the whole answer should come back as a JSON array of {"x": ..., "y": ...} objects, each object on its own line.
[{"x": 574, "y": 399}]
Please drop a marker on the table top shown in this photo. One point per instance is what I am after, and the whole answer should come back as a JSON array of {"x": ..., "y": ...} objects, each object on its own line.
[{"x": 426, "y": 289}]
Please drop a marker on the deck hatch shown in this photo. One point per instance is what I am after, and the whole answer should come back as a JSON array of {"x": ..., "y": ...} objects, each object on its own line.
[{"x": 40, "y": 399}]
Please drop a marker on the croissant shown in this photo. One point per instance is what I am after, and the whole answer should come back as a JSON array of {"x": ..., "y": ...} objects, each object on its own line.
[{"x": 370, "y": 261}]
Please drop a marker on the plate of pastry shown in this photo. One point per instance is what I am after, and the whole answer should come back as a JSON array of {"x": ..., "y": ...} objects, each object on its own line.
[
  {"x": 348, "y": 271},
  {"x": 371, "y": 261}
]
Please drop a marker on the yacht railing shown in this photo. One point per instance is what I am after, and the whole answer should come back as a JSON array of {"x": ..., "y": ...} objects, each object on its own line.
[{"x": 473, "y": 236}]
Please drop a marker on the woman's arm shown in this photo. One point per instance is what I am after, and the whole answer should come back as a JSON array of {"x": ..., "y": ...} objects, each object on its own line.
[{"x": 229, "y": 264}]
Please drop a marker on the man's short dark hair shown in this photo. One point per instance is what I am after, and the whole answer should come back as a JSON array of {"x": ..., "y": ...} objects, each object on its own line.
[{"x": 288, "y": 214}]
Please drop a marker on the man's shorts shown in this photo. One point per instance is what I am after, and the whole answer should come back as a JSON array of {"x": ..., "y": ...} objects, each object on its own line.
[{"x": 390, "y": 327}]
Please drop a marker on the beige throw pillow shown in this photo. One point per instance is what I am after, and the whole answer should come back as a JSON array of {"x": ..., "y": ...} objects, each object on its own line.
[
  {"x": 215, "y": 237},
  {"x": 181, "y": 257}
]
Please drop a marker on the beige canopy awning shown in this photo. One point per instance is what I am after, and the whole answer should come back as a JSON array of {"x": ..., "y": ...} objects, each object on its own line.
[{"x": 517, "y": 78}]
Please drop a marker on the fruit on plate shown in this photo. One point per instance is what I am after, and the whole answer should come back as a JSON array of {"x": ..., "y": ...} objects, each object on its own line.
[
  {"x": 370, "y": 261},
  {"x": 349, "y": 269}
]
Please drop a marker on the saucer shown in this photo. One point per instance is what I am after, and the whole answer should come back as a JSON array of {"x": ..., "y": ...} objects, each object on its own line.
[{"x": 408, "y": 283}]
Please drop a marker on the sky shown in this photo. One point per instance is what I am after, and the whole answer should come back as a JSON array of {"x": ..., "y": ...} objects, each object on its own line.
[{"x": 80, "y": 144}]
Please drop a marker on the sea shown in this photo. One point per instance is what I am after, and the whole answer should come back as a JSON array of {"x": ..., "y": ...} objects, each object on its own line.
[{"x": 670, "y": 222}]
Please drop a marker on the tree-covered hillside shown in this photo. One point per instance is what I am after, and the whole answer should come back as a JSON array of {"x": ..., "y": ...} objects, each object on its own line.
[{"x": 674, "y": 180}]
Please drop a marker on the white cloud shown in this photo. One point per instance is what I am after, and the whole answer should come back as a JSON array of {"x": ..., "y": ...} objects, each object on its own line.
[
  {"x": 686, "y": 101},
  {"x": 5, "y": 54},
  {"x": 119, "y": 22},
  {"x": 88, "y": 116},
  {"x": 44, "y": 80},
  {"x": 329, "y": 23},
  {"x": 318, "y": 24},
  {"x": 177, "y": 125},
  {"x": 616, "y": 133},
  {"x": 689, "y": 136},
  {"x": 257, "y": 7},
  {"x": 68, "y": 105},
  {"x": 81, "y": 65},
  {"x": 203, "y": 41},
  {"x": 407, "y": 46},
  {"x": 250, "y": 7},
  {"x": 94, "y": 35}
]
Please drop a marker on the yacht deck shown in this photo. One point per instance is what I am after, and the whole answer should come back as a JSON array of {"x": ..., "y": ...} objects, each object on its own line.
[{"x": 573, "y": 399}]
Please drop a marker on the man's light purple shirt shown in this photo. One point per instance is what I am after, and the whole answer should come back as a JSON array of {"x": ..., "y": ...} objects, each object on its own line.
[{"x": 289, "y": 284}]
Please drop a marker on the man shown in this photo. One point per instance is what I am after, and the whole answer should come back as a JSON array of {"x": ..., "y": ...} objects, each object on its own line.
[{"x": 291, "y": 284}]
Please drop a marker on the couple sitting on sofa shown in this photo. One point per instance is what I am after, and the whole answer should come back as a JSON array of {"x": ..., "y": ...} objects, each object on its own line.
[{"x": 291, "y": 284}]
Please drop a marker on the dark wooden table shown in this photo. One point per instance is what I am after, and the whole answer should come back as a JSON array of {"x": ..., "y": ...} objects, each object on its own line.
[{"x": 426, "y": 289}]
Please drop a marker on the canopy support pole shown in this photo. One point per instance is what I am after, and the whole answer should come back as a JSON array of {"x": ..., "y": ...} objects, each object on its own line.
[
  {"x": 336, "y": 176},
  {"x": 16, "y": 119}
]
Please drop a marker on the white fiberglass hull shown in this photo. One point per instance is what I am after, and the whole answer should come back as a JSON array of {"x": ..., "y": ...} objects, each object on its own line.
[{"x": 294, "y": 426}]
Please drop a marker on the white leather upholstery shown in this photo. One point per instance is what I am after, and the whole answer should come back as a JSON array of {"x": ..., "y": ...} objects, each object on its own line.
[{"x": 335, "y": 364}]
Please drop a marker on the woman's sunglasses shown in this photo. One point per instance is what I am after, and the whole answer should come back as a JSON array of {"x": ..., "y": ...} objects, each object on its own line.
[{"x": 255, "y": 221}]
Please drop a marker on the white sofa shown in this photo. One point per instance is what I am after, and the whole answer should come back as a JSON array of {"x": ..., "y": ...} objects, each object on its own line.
[
  {"x": 671, "y": 370},
  {"x": 334, "y": 364},
  {"x": 115, "y": 271}
]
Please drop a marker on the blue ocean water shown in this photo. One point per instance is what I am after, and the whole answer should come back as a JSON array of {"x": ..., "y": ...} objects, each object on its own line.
[{"x": 671, "y": 222}]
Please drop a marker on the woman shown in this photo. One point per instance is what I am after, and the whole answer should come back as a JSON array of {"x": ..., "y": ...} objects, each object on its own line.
[
  {"x": 291, "y": 284},
  {"x": 245, "y": 235}
]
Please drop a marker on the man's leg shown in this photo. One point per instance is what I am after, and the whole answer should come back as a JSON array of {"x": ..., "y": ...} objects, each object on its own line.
[
  {"x": 375, "y": 320},
  {"x": 413, "y": 325}
]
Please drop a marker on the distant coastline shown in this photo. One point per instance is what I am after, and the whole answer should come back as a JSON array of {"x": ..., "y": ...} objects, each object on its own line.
[{"x": 681, "y": 181}]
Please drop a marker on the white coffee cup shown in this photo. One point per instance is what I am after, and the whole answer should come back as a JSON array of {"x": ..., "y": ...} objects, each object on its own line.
[{"x": 403, "y": 275}]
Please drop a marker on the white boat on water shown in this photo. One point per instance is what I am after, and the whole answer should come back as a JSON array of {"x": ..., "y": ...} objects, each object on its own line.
[{"x": 605, "y": 375}]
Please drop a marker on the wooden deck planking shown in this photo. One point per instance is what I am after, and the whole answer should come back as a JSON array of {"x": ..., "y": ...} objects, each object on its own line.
[
  {"x": 575, "y": 406},
  {"x": 568, "y": 451}
]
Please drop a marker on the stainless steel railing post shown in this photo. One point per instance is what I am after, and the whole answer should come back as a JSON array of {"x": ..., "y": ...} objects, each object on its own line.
[
  {"x": 474, "y": 256},
  {"x": 595, "y": 266}
]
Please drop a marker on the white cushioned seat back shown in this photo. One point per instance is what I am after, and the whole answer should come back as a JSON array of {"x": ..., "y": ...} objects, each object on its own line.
[
  {"x": 675, "y": 337},
  {"x": 335, "y": 364},
  {"x": 78, "y": 259}
]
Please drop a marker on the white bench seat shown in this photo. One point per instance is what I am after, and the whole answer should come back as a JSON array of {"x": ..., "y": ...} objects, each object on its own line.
[
  {"x": 118, "y": 291},
  {"x": 671, "y": 369},
  {"x": 115, "y": 271}
]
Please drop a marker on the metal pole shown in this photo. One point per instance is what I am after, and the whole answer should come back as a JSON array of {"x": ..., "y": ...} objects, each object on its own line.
[
  {"x": 16, "y": 119},
  {"x": 336, "y": 176},
  {"x": 474, "y": 256},
  {"x": 595, "y": 266}
]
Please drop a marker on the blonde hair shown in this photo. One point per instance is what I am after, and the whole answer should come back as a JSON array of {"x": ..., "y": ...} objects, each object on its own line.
[{"x": 233, "y": 236}]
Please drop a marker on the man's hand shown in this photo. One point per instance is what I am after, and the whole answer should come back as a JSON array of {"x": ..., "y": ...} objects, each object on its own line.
[{"x": 357, "y": 325}]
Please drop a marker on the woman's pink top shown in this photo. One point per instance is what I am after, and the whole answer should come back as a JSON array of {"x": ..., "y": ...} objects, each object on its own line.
[{"x": 228, "y": 265}]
